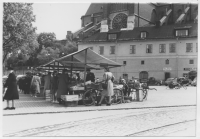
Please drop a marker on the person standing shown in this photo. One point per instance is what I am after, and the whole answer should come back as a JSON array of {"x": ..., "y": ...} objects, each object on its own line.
[
  {"x": 63, "y": 82},
  {"x": 47, "y": 82},
  {"x": 109, "y": 78},
  {"x": 35, "y": 86},
  {"x": 11, "y": 92},
  {"x": 90, "y": 76},
  {"x": 27, "y": 82},
  {"x": 54, "y": 86}
]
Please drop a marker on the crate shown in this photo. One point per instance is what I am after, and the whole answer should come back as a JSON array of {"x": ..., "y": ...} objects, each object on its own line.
[
  {"x": 70, "y": 103},
  {"x": 69, "y": 97},
  {"x": 47, "y": 95},
  {"x": 76, "y": 88}
]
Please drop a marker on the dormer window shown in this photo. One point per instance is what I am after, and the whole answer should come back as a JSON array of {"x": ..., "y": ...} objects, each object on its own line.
[
  {"x": 143, "y": 35},
  {"x": 182, "y": 32},
  {"x": 112, "y": 36}
]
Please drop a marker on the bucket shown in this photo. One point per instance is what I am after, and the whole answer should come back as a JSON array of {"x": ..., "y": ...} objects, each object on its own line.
[
  {"x": 47, "y": 95},
  {"x": 139, "y": 95}
]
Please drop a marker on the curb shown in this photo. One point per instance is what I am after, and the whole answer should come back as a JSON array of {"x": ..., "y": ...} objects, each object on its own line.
[{"x": 98, "y": 110}]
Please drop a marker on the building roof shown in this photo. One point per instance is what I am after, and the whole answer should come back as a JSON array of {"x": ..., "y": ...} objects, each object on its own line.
[
  {"x": 153, "y": 32},
  {"x": 94, "y": 8}
]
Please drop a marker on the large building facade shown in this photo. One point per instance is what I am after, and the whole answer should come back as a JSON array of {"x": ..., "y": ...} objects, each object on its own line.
[{"x": 150, "y": 40}]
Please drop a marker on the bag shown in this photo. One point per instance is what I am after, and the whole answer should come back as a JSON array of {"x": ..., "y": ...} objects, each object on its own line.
[
  {"x": 104, "y": 85},
  {"x": 112, "y": 79}
]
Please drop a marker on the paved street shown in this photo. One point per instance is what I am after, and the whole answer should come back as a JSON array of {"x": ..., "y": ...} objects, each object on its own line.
[{"x": 148, "y": 118}]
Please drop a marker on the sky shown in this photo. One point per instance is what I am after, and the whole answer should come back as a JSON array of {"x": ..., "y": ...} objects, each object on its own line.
[{"x": 59, "y": 17}]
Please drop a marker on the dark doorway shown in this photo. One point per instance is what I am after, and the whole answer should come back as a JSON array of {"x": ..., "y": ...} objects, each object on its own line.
[
  {"x": 167, "y": 75},
  {"x": 143, "y": 76}
]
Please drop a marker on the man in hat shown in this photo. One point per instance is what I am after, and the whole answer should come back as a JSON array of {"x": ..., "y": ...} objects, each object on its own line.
[
  {"x": 63, "y": 83},
  {"x": 90, "y": 76},
  {"x": 27, "y": 82},
  {"x": 12, "y": 91}
]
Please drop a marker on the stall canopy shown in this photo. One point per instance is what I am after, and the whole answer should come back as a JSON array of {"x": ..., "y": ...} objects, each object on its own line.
[{"x": 85, "y": 58}]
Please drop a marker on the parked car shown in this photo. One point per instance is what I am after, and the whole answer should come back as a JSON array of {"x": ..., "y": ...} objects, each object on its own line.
[
  {"x": 194, "y": 82},
  {"x": 20, "y": 76},
  {"x": 153, "y": 81},
  {"x": 168, "y": 81},
  {"x": 184, "y": 80}
]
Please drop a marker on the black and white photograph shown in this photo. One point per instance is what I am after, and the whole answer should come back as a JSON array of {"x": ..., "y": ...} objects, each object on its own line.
[{"x": 100, "y": 69}]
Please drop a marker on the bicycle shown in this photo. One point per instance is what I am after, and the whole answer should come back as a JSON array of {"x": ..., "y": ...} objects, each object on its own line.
[
  {"x": 90, "y": 96},
  {"x": 136, "y": 86}
]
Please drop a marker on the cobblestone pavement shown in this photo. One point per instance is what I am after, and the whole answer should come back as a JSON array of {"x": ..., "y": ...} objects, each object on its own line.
[
  {"x": 127, "y": 124},
  {"x": 160, "y": 98}
]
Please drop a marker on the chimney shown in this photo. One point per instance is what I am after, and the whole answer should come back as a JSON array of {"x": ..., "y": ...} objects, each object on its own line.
[{"x": 69, "y": 35}]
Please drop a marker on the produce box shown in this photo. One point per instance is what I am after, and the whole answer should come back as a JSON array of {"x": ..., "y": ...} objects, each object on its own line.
[
  {"x": 75, "y": 88},
  {"x": 69, "y": 97}
]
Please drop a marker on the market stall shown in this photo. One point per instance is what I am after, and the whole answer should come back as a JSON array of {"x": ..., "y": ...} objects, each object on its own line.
[{"x": 80, "y": 61}]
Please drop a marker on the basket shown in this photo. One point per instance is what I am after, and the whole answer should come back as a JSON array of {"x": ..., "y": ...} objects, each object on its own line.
[{"x": 95, "y": 86}]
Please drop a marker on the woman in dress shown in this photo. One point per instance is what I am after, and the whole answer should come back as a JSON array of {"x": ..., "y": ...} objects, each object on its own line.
[
  {"x": 108, "y": 77},
  {"x": 11, "y": 92},
  {"x": 35, "y": 86}
]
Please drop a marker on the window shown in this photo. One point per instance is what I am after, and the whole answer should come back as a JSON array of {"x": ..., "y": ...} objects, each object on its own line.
[
  {"x": 191, "y": 61},
  {"x": 91, "y": 48},
  {"x": 101, "y": 50},
  {"x": 112, "y": 36},
  {"x": 149, "y": 48},
  {"x": 188, "y": 47},
  {"x": 143, "y": 35},
  {"x": 112, "y": 49},
  {"x": 162, "y": 48},
  {"x": 124, "y": 62},
  {"x": 142, "y": 62},
  {"x": 172, "y": 47},
  {"x": 167, "y": 61},
  {"x": 182, "y": 32},
  {"x": 185, "y": 74},
  {"x": 132, "y": 49}
]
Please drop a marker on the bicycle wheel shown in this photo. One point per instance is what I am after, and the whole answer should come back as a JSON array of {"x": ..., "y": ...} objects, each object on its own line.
[
  {"x": 117, "y": 97},
  {"x": 89, "y": 97},
  {"x": 145, "y": 94}
]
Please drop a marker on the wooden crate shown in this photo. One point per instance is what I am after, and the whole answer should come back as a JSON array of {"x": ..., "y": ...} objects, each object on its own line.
[{"x": 70, "y": 103}]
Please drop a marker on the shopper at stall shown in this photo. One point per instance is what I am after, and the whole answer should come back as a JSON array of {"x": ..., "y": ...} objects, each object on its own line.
[
  {"x": 63, "y": 83},
  {"x": 109, "y": 78},
  {"x": 47, "y": 82},
  {"x": 27, "y": 82},
  {"x": 11, "y": 92},
  {"x": 54, "y": 86},
  {"x": 90, "y": 76},
  {"x": 35, "y": 86}
]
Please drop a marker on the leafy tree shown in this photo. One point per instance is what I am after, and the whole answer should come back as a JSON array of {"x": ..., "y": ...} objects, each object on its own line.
[
  {"x": 46, "y": 40},
  {"x": 47, "y": 54},
  {"x": 17, "y": 26}
]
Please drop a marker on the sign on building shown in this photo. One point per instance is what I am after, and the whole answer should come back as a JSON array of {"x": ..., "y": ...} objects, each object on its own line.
[{"x": 167, "y": 68}]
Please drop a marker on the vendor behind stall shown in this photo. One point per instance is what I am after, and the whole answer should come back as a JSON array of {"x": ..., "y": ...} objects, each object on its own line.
[
  {"x": 63, "y": 83},
  {"x": 90, "y": 76}
]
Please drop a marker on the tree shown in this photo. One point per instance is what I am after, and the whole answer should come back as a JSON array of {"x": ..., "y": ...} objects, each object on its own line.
[
  {"x": 46, "y": 40},
  {"x": 17, "y": 26},
  {"x": 47, "y": 54}
]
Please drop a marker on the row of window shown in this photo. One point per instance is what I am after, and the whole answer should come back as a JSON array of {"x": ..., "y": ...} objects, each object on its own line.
[
  {"x": 191, "y": 61},
  {"x": 149, "y": 48},
  {"x": 144, "y": 34}
]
